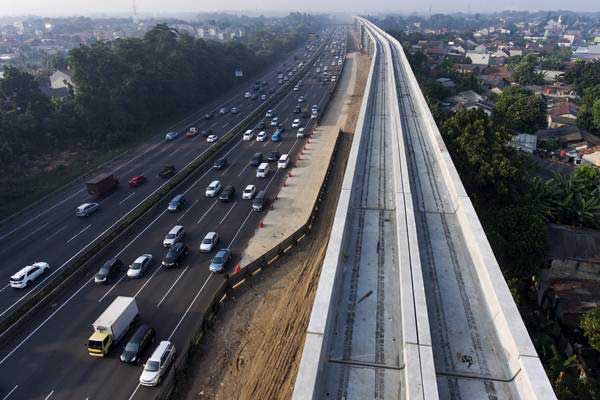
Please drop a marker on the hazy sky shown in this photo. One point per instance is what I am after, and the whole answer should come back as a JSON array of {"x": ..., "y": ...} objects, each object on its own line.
[{"x": 53, "y": 7}]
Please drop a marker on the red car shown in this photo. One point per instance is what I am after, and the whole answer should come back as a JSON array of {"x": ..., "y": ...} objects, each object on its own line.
[{"x": 137, "y": 180}]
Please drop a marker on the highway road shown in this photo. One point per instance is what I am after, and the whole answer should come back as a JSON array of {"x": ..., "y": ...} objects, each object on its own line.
[
  {"x": 49, "y": 360},
  {"x": 52, "y": 233}
]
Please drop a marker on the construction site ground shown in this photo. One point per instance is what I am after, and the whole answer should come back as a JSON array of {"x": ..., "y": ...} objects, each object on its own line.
[{"x": 253, "y": 349}]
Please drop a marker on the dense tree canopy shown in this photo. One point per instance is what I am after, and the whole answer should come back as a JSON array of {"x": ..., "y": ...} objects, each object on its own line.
[
  {"x": 520, "y": 110},
  {"x": 584, "y": 75}
]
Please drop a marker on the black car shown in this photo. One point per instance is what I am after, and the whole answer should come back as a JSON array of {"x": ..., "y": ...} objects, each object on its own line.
[
  {"x": 167, "y": 171},
  {"x": 175, "y": 255},
  {"x": 261, "y": 126},
  {"x": 207, "y": 132},
  {"x": 227, "y": 193},
  {"x": 297, "y": 110},
  {"x": 220, "y": 163},
  {"x": 108, "y": 271},
  {"x": 280, "y": 128},
  {"x": 255, "y": 95},
  {"x": 208, "y": 116},
  {"x": 274, "y": 156},
  {"x": 256, "y": 159},
  {"x": 134, "y": 350},
  {"x": 304, "y": 114}
]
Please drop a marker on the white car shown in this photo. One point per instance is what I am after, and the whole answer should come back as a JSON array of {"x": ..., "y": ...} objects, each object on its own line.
[
  {"x": 209, "y": 242},
  {"x": 171, "y": 135},
  {"x": 139, "y": 266},
  {"x": 296, "y": 88},
  {"x": 213, "y": 189},
  {"x": 296, "y": 123},
  {"x": 247, "y": 95},
  {"x": 261, "y": 137},
  {"x": 28, "y": 274},
  {"x": 249, "y": 192},
  {"x": 269, "y": 114},
  {"x": 86, "y": 209},
  {"x": 300, "y": 133},
  {"x": 212, "y": 138},
  {"x": 176, "y": 234},
  {"x": 300, "y": 99},
  {"x": 263, "y": 97},
  {"x": 248, "y": 135},
  {"x": 314, "y": 114},
  {"x": 158, "y": 364}
]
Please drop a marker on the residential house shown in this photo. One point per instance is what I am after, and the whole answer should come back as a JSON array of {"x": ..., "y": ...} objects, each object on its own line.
[
  {"x": 568, "y": 136},
  {"x": 560, "y": 90},
  {"x": 551, "y": 75},
  {"x": 468, "y": 68},
  {"x": 562, "y": 114},
  {"x": 515, "y": 51},
  {"x": 524, "y": 142},
  {"x": 478, "y": 58},
  {"x": 591, "y": 52},
  {"x": 446, "y": 82},
  {"x": 498, "y": 57},
  {"x": 590, "y": 156},
  {"x": 469, "y": 100}
]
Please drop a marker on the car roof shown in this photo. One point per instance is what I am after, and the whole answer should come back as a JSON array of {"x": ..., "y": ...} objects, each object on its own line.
[
  {"x": 177, "y": 197},
  {"x": 215, "y": 182},
  {"x": 140, "y": 332},
  {"x": 160, "y": 349},
  {"x": 176, "y": 228},
  {"x": 84, "y": 205},
  {"x": 141, "y": 258},
  {"x": 210, "y": 235}
]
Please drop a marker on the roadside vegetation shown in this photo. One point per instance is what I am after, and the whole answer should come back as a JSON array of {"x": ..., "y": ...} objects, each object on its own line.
[{"x": 125, "y": 90}]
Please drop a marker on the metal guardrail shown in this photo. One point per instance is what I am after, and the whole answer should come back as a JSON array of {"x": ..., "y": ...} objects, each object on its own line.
[{"x": 76, "y": 270}]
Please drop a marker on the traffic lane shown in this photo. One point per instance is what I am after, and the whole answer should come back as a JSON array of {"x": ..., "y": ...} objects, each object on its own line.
[{"x": 76, "y": 190}]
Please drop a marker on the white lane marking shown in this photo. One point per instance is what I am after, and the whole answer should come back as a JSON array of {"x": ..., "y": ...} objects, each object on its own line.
[
  {"x": 243, "y": 169},
  {"x": 4, "y": 288},
  {"x": 207, "y": 211},
  {"x": 147, "y": 281},
  {"x": 49, "y": 395},
  {"x": 189, "y": 307},
  {"x": 172, "y": 286},
  {"x": 126, "y": 198},
  {"x": 188, "y": 210},
  {"x": 134, "y": 392},
  {"x": 37, "y": 328},
  {"x": 57, "y": 232},
  {"x": 225, "y": 217},
  {"x": 240, "y": 228},
  {"x": 11, "y": 392},
  {"x": 34, "y": 232},
  {"x": 42, "y": 213},
  {"x": 84, "y": 229},
  {"x": 227, "y": 123}
]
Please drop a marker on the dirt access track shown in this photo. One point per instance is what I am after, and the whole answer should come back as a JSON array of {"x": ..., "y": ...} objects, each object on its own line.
[{"x": 254, "y": 347}]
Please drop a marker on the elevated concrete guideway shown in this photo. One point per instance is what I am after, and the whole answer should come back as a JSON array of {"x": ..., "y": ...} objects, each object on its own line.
[{"x": 411, "y": 303}]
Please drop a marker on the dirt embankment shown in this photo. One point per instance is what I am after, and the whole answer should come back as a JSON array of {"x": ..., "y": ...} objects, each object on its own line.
[{"x": 254, "y": 347}]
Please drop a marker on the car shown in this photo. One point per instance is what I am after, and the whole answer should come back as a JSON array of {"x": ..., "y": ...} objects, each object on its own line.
[
  {"x": 171, "y": 135},
  {"x": 223, "y": 110},
  {"x": 220, "y": 260},
  {"x": 209, "y": 242},
  {"x": 227, "y": 193},
  {"x": 280, "y": 81},
  {"x": 175, "y": 235},
  {"x": 255, "y": 95},
  {"x": 297, "y": 110},
  {"x": 314, "y": 114},
  {"x": 300, "y": 99},
  {"x": 175, "y": 255},
  {"x": 263, "y": 97},
  {"x": 269, "y": 114},
  {"x": 315, "y": 107},
  {"x": 135, "y": 348},
  {"x": 304, "y": 114},
  {"x": 167, "y": 171},
  {"x": 296, "y": 88},
  {"x": 108, "y": 271},
  {"x": 276, "y": 136},
  {"x": 207, "y": 132},
  {"x": 261, "y": 126},
  {"x": 139, "y": 266},
  {"x": 137, "y": 180},
  {"x": 273, "y": 156},
  {"x": 176, "y": 203},
  {"x": 249, "y": 192},
  {"x": 247, "y": 95},
  {"x": 158, "y": 364},
  {"x": 213, "y": 189},
  {"x": 235, "y": 110},
  {"x": 86, "y": 209},
  {"x": 261, "y": 137},
  {"x": 256, "y": 159},
  {"x": 212, "y": 138},
  {"x": 191, "y": 132},
  {"x": 296, "y": 123},
  {"x": 275, "y": 121},
  {"x": 283, "y": 161},
  {"x": 333, "y": 79},
  {"x": 220, "y": 163},
  {"x": 208, "y": 116},
  {"x": 248, "y": 135},
  {"x": 28, "y": 274}
]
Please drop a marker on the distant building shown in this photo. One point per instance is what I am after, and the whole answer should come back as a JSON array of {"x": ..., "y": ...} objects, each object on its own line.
[
  {"x": 446, "y": 82},
  {"x": 591, "y": 156},
  {"x": 524, "y": 142},
  {"x": 562, "y": 114},
  {"x": 469, "y": 100},
  {"x": 591, "y": 52},
  {"x": 478, "y": 58}
]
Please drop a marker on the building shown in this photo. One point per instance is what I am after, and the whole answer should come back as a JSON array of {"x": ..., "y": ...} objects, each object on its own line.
[
  {"x": 524, "y": 142},
  {"x": 562, "y": 114},
  {"x": 60, "y": 80},
  {"x": 591, "y": 156},
  {"x": 469, "y": 100},
  {"x": 478, "y": 58}
]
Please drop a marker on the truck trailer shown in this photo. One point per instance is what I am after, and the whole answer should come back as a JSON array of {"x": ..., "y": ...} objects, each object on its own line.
[
  {"x": 102, "y": 184},
  {"x": 112, "y": 325}
]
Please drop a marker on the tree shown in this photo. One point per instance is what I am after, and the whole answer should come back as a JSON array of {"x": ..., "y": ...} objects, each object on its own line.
[
  {"x": 519, "y": 109},
  {"x": 590, "y": 325},
  {"x": 596, "y": 114}
]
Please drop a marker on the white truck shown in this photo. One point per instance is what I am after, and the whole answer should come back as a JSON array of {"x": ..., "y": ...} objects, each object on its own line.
[{"x": 112, "y": 325}]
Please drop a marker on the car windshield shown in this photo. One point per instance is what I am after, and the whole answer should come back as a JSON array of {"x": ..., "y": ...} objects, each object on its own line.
[
  {"x": 103, "y": 271},
  {"x": 171, "y": 236},
  {"x": 152, "y": 366},
  {"x": 207, "y": 241},
  {"x": 132, "y": 347},
  {"x": 136, "y": 265},
  {"x": 218, "y": 259}
]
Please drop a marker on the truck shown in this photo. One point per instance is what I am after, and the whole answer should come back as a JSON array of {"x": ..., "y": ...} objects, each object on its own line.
[
  {"x": 112, "y": 325},
  {"x": 102, "y": 184}
]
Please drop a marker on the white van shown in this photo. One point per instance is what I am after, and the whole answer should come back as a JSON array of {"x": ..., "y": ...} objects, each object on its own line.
[
  {"x": 158, "y": 364},
  {"x": 283, "y": 162},
  {"x": 300, "y": 133},
  {"x": 248, "y": 135},
  {"x": 263, "y": 170},
  {"x": 175, "y": 235}
]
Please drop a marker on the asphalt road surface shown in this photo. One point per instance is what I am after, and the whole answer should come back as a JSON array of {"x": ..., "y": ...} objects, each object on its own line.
[{"x": 48, "y": 359}]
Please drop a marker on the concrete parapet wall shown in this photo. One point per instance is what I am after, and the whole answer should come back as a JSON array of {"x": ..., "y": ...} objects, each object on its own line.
[
  {"x": 528, "y": 379},
  {"x": 316, "y": 343}
]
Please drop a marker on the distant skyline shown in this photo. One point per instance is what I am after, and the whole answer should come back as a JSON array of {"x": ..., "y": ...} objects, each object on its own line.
[{"x": 87, "y": 7}]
